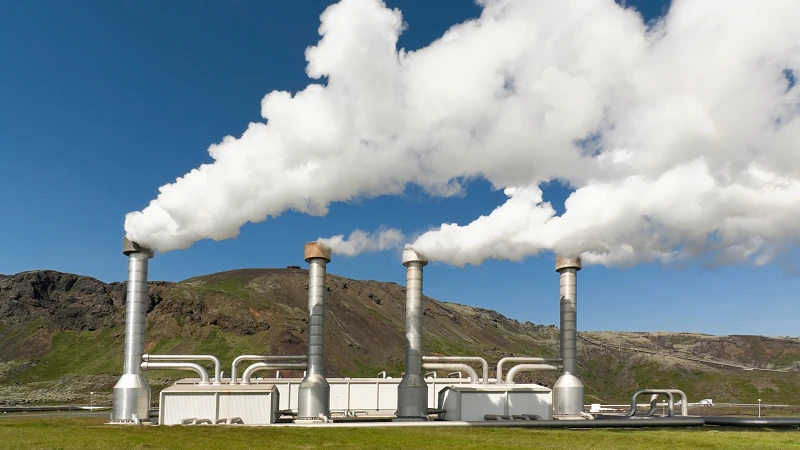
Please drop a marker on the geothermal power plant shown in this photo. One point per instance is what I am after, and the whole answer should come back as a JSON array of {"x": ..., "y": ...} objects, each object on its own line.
[{"x": 418, "y": 398}]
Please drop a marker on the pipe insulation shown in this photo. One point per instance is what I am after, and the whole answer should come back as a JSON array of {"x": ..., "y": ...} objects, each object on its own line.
[
  {"x": 132, "y": 393},
  {"x": 453, "y": 366},
  {"x": 528, "y": 368},
  {"x": 314, "y": 393},
  {"x": 263, "y": 358},
  {"x": 522, "y": 359},
  {"x": 172, "y": 358},
  {"x": 204, "y": 380},
  {"x": 484, "y": 364},
  {"x": 248, "y": 373},
  {"x": 568, "y": 390},
  {"x": 412, "y": 392}
]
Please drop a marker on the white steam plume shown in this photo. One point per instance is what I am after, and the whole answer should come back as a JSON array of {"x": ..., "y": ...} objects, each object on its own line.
[
  {"x": 361, "y": 241},
  {"x": 679, "y": 139}
]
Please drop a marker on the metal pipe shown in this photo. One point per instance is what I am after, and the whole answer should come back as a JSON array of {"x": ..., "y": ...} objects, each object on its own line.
[
  {"x": 271, "y": 366},
  {"x": 412, "y": 392},
  {"x": 790, "y": 422},
  {"x": 605, "y": 423},
  {"x": 684, "y": 400},
  {"x": 314, "y": 392},
  {"x": 667, "y": 392},
  {"x": 528, "y": 368},
  {"x": 568, "y": 390},
  {"x": 132, "y": 393},
  {"x": 522, "y": 359},
  {"x": 483, "y": 362},
  {"x": 178, "y": 366},
  {"x": 241, "y": 358},
  {"x": 654, "y": 406},
  {"x": 453, "y": 366},
  {"x": 217, "y": 367}
]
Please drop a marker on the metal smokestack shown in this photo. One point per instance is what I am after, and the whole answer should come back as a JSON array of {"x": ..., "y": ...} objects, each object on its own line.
[
  {"x": 568, "y": 390},
  {"x": 412, "y": 393},
  {"x": 314, "y": 393},
  {"x": 132, "y": 393}
]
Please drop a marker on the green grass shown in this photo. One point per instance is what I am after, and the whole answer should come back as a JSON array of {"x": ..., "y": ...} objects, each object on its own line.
[
  {"x": 91, "y": 433},
  {"x": 233, "y": 286}
]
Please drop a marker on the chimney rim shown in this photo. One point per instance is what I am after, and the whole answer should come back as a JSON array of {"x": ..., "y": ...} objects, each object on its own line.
[
  {"x": 317, "y": 250},
  {"x": 410, "y": 255},
  {"x": 129, "y": 246},
  {"x": 568, "y": 262}
]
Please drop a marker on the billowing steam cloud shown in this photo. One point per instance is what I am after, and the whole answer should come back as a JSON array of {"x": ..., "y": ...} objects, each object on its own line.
[
  {"x": 681, "y": 138},
  {"x": 360, "y": 241}
]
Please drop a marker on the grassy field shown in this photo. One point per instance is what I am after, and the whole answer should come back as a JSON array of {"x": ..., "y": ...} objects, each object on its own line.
[{"x": 90, "y": 433}]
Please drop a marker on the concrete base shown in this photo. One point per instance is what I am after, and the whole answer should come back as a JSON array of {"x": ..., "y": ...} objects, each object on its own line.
[
  {"x": 567, "y": 397},
  {"x": 309, "y": 421},
  {"x": 131, "y": 396}
]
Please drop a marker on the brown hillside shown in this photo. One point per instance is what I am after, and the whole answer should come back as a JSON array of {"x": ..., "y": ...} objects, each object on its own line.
[{"x": 61, "y": 330}]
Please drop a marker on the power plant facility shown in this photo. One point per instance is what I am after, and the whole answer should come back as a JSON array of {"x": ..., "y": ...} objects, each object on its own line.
[
  {"x": 452, "y": 171},
  {"x": 419, "y": 397}
]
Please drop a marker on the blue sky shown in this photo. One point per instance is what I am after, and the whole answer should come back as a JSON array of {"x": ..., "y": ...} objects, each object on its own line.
[{"x": 103, "y": 102}]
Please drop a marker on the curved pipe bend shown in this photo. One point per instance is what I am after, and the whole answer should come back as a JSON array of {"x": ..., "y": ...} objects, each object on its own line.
[
  {"x": 528, "y": 368},
  {"x": 453, "y": 366},
  {"x": 522, "y": 359},
  {"x": 217, "y": 366},
  {"x": 271, "y": 366},
  {"x": 670, "y": 398},
  {"x": 241, "y": 358},
  {"x": 178, "y": 366},
  {"x": 484, "y": 364}
]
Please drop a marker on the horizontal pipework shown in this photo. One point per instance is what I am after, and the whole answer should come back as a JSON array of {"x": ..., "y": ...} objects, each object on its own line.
[
  {"x": 241, "y": 358},
  {"x": 277, "y": 365},
  {"x": 197, "y": 368},
  {"x": 484, "y": 364},
  {"x": 171, "y": 358}
]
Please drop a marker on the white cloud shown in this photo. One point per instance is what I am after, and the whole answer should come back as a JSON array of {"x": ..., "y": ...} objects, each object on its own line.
[{"x": 692, "y": 127}]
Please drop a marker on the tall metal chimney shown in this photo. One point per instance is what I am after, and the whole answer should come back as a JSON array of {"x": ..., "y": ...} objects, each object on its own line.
[
  {"x": 315, "y": 392},
  {"x": 132, "y": 393},
  {"x": 568, "y": 390},
  {"x": 412, "y": 393}
]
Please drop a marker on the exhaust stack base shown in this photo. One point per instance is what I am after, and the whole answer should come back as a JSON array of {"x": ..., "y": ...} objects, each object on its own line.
[
  {"x": 131, "y": 396},
  {"x": 568, "y": 397}
]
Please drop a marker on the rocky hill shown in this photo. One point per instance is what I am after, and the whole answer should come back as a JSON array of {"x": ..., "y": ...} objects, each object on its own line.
[{"x": 61, "y": 337}]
